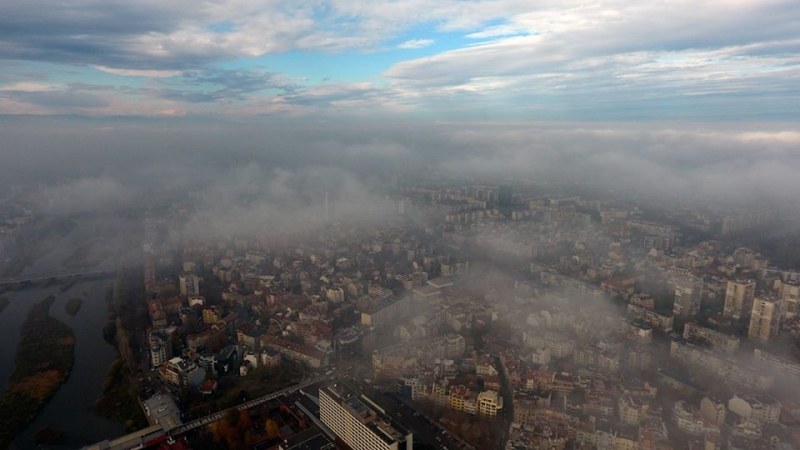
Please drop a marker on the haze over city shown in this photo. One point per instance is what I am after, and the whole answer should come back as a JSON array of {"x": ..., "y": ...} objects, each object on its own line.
[{"x": 458, "y": 224}]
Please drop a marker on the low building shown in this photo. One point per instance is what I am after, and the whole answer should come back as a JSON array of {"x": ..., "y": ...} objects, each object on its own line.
[
  {"x": 182, "y": 372},
  {"x": 310, "y": 356},
  {"x": 560, "y": 344},
  {"x": 211, "y": 315},
  {"x": 726, "y": 368},
  {"x": 691, "y": 421},
  {"x": 489, "y": 403},
  {"x": 159, "y": 343},
  {"x": 714, "y": 339},
  {"x": 760, "y": 409},
  {"x": 270, "y": 359},
  {"x": 713, "y": 410},
  {"x": 788, "y": 367},
  {"x": 387, "y": 311},
  {"x": 652, "y": 318},
  {"x": 161, "y": 410}
]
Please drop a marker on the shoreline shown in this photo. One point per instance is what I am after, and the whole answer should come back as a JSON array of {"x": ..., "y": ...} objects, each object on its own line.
[
  {"x": 45, "y": 356},
  {"x": 119, "y": 400}
]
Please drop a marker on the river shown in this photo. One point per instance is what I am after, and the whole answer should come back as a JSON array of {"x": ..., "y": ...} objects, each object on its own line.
[{"x": 70, "y": 408}]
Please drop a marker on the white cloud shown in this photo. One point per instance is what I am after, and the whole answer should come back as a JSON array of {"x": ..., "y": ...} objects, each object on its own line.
[
  {"x": 416, "y": 43},
  {"x": 610, "y": 55},
  {"x": 28, "y": 86}
]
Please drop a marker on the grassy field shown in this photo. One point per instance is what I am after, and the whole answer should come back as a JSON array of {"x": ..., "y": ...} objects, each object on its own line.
[{"x": 44, "y": 360}]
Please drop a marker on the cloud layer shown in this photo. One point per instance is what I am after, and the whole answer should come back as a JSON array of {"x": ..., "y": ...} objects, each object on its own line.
[
  {"x": 487, "y": 59},
  {"x": 105, "y": 163}
]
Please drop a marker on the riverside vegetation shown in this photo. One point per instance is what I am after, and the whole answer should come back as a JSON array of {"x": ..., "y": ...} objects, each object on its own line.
[{"x": 45, "y": 356}]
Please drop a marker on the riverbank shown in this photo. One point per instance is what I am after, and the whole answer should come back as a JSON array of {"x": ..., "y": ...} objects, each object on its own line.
[
  {"x": 120, "y": 400},
  {"x": 45, "y": 356}
]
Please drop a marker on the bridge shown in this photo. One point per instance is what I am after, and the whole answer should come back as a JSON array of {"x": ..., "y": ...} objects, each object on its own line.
[
  {"x": 58, "y": 275},
  {"x": 189, "y": 426},
  {"x": 155, "y": 434}
]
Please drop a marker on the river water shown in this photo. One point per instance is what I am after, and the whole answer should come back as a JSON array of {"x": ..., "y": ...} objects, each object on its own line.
[{"x": 70, "y": 409}]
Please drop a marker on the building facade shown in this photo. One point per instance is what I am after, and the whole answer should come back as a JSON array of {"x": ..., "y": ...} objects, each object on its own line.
[
  {"x": 765, "y": 319},
  {"x": 739, "y": 297},
  {"x": 359, "y": 422}
]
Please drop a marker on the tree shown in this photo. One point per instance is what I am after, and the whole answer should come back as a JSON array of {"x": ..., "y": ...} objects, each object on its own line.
[{"x": 271, "y": 429}]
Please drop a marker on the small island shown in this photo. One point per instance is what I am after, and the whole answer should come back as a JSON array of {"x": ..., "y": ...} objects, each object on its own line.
[
  {"x": 73, "y": 305},
  {"x": 44, "y": 359},
  {"x": 4, "y": 302}
]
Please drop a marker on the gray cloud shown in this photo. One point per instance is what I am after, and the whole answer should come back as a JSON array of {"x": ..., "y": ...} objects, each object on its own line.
[
  {"x": 679, "y": 162},
  {"x": 213, "y": 85},
  {"x": 83, "y": 31},
  {"x": 59, "y": 99},
  {"x": 84, "y": 195},
  {"x": 290, "y": 163},
  {"x": 146, "y": 34},
  {"x": 252, "y": 201}
]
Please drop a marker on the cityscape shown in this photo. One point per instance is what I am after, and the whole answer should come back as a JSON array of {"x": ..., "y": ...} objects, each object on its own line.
[
  {"x": 399, "y": 224},
  {"x": 447, "y": 314}
]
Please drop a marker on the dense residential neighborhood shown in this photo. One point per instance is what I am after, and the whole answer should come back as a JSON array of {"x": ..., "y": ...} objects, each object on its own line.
[{"x": 543, "y": 321}]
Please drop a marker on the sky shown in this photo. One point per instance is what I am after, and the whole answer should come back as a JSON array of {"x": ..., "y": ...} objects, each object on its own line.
[{"x": 454, "y": 60}]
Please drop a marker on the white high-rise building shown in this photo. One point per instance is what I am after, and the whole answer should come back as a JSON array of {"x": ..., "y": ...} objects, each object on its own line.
[
  {"x": 359, "y": 422},
  {"x": 158, "y": 350},
  {"x": 789, "y": 293},
  {"x": 688, "y": 294},
  {"x": 765, "y": 319},
  {"x": 189, "y": 284},
  {"x": 401, "y": 206},
  {"x": 739, "y": 298},
  {"x": 327, "y": 205}
]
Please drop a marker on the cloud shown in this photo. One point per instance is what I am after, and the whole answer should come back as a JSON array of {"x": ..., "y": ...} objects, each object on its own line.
[
  {"x": 212, "y": 85},
  {"x": 139, "y": 72},
  {"x": 715, "y": 165},
  {"x": 251, "y": 200},
  {"x": 498, "y": 31},
  {"x": 147, "y": 35},
  {"x": 609, "y": 59},
  {"x": 28, "y": 86},
  {"x": 84, "y": 195},
  {"x": 59, "y": 99},
  {"x": 688, "y": 165},
  {"x": 551, "y": 60},
  {"x": 185, "y": 93},
  {"x": 416, "y": 43},
  {"x": 333, "y": 94}
]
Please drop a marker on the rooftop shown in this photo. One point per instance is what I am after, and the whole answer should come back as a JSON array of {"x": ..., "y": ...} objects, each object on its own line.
[
  {"x": 162, "y": 410},
  {"x": 440, "y": 282},
  {"x": 367, "y": 411}
]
